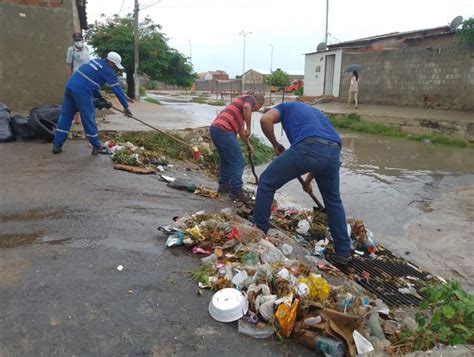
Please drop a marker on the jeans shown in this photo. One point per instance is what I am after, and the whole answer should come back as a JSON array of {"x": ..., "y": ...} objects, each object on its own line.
[
  {"x": 323, "y": 160},
  {"x": 231, "y": 159},
  {"x": 82, "y": 101}
]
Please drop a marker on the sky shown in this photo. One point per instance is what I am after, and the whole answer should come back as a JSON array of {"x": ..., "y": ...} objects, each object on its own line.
[{"x": 208, "y": 30}]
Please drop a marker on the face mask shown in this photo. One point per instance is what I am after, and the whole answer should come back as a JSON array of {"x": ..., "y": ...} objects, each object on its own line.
[{"x": 78, "y": 44}]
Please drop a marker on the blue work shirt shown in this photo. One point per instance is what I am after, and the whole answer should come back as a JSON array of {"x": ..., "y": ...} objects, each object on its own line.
[
  {"x": 300, "y": 121},
  {"x": 93, "y": 75}
]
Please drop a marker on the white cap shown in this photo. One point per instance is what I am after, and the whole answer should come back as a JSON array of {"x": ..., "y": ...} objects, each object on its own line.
[{"x": 115, "y": 58}]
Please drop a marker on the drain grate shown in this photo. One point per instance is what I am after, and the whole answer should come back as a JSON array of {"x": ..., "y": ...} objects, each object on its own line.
[{"x": 385, "y": 274}]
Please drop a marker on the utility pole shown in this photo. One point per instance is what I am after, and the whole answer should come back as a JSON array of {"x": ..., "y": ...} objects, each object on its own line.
[
  {"x": 271, "y": 59},
  {"x": 135, "y": 70},
  {"x": 243, "y": 65},
  {"x": 327, "y": 17},
  {"x": 190, "y": 52}
]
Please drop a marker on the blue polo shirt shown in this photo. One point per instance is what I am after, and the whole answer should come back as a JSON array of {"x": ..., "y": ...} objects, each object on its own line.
[{"x": 300, "y": 121}]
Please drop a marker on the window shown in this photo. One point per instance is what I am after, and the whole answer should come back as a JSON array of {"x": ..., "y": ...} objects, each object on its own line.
[{"x": 318, "y": 69}]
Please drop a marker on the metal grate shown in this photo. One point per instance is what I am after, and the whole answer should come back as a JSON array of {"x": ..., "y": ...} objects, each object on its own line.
[{"x": 385, "y": 274}]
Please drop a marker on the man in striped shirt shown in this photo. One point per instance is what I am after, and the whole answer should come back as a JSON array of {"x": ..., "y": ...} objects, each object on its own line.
[
  {"x": 235, "y": 119},
  {"x": 79, "y": 94}
]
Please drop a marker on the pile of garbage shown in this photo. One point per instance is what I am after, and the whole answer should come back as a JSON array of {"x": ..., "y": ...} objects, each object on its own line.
[
  {"x": 40, "y": 124},
  {"x": 261, "y": 283}
]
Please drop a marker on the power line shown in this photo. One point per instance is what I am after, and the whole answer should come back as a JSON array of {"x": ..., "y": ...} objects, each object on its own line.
[{"x": 121, "y": 6}]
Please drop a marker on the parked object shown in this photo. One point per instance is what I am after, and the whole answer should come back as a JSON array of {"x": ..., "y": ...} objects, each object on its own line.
[
  {"x": 21, "y": 128},
  {"x": 6, "y": 133}
]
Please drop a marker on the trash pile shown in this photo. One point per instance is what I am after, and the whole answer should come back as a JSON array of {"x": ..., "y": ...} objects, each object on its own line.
[
  {"x": 40, "y": 124},
  {"x": 261, "y": 283}
]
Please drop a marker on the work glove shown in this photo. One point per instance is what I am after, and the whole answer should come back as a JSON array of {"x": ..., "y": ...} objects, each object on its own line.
[
  {"x": 101, "y": 103},
  {"x": 127, "y": 112}
]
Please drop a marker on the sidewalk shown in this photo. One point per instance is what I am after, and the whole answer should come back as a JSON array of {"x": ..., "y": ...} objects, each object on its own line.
[{"x": 414, "y": 120}]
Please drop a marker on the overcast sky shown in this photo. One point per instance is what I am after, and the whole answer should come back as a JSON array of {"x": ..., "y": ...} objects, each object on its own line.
[{"x": 293, "y": 27}]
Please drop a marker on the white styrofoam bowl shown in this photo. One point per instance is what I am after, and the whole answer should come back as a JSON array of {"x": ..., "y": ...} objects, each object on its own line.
[{"x": 228, "y": 305}]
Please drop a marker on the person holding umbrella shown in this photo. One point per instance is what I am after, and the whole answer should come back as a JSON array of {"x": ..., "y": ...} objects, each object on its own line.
[{"x": 354, "y": 90}]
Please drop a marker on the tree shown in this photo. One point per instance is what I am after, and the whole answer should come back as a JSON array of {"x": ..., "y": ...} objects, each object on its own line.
[
  {"x": 279, "y": 79},
  {"x": 466, "y": 33},
  {"x": 159, "y": 61}
]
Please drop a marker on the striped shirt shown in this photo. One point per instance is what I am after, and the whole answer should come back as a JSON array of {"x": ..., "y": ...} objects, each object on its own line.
[{"x": 232, "y": 117}]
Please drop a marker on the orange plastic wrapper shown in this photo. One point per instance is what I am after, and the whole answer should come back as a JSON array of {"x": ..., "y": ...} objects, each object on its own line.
[{"x": 286, "y": 317}]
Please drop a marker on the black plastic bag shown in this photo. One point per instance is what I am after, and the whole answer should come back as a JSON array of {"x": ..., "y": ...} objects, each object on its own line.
[
  {"x": 49, "y": 112},
  {"x": 6, "y": 133},
  {"x": 21, "y": 128}
]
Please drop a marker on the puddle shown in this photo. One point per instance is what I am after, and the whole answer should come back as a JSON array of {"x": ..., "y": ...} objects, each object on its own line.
[
  {"x": 32, "y": 215},
  {"x": 18, "y": 240},
  {"x": 22, "y": 240}
]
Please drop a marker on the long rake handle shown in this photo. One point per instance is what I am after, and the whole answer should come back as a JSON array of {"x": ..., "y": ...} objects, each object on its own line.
[{"x": 315, "y": 199}]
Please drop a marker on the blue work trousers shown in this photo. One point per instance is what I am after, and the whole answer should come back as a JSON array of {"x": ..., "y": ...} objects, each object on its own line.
[
  {"x": 77, "y": 100},
  {"x": 231, "y": 159},
  {"x": 322, "y": 158}
]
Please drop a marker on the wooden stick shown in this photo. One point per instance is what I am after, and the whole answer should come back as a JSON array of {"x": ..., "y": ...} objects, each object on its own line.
[{"x": 320, "y": 206}]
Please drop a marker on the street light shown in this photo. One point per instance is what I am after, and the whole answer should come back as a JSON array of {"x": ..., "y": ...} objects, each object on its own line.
[
  {"x": 190, "y": 52},
  {"x": 243, "y": 66}
]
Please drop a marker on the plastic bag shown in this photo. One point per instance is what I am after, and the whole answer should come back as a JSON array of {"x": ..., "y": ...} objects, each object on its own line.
[
  {"x": 21, "y": 128},
  {"x": 49, "y": 112},
  {"x": 6, "y": 133},
  {"x": 254, "y": 331},
  {"x": 175, "y": 239},
  {"x": 286, "y": 317}
]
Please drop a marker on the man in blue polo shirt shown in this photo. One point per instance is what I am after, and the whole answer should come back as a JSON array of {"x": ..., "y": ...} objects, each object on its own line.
[
  {"x": 79, "y": 94},
  {"x": 315, "y": 149}
]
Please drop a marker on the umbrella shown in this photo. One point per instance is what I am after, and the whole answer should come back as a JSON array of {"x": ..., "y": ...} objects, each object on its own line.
[{"x": 352, "y": 68}]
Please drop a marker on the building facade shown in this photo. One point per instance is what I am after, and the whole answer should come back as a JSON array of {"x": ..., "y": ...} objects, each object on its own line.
[
  {"x": 423, "y": 68},
  {"x": 34, "y": 39}
]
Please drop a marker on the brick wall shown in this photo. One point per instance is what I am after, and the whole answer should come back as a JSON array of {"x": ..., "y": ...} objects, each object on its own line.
[
  {"x": 439, "y": 74},
  {"x": 44, "y": 3}
]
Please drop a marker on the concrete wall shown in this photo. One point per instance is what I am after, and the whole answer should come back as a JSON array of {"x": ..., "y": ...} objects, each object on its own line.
[
  {"x": 231, "y": 86},
  {"x": 437, "y": 75},
  {"x": 314, "y": 68},
  {"x": 254, "y": 77},
  {"x": 33, "y": 43}
]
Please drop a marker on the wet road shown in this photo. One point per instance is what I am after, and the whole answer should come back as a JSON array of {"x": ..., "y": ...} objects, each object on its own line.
[{"x": 66, "y": 223}]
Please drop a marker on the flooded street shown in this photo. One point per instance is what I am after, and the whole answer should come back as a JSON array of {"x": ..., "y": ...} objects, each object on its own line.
[{"x": 417, "y": 198}]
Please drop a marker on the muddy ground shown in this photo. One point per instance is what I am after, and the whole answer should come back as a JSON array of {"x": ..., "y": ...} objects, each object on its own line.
[{"x": 66, "y": 223}]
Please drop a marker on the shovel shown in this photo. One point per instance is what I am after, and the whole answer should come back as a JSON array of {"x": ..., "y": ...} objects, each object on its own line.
[
  {"x": 194, "y": 149},
  {"x": 315, "y": 199},
  {"x": 253, "y": 168}
]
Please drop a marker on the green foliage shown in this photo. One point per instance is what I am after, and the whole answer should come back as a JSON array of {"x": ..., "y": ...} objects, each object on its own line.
[
  {"x": 447, "y": 317},
  {"x": 299, "y": 91},
  {"x": 466, "y": 34},
  {"x": 142, "y": 91},
  {"x": 152, "y": 100},
  {"x": 218, "y": 103},
  {"x": 262, "y": 153},
  {"x": 199, "y": 100},
  {"x": 202, "y": 273},
  {"x": 157, "y": 59},
  {"x": 150, "y": 84},
  {"x": 355, "y": 123},
  {"x": 278, "y": 78}
]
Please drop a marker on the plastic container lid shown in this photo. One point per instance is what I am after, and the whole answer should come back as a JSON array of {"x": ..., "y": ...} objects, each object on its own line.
[{"x": 228, "y": 305}]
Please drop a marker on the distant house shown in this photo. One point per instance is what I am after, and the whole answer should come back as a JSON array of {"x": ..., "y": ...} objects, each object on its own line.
[
  {"x": 425, "y": 68},
  {"x": 216, "y": 76},
  {"x": 34, "y": 38},
  {"x": 254, "y": 77}
]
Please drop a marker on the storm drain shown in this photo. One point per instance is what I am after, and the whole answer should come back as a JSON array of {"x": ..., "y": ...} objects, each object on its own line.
[{"x": 393, "y": 279}]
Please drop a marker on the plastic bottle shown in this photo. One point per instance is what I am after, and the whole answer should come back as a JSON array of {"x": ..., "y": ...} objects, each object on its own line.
[
  {"x": 330, "y": 346},
  {"x": 326, "y": 345}
]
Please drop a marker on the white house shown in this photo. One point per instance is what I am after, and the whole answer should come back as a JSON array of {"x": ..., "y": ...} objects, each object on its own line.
[{"x": 322, "y": 73}]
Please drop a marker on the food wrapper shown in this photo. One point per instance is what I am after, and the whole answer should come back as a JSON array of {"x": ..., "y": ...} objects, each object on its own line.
[{"x": 286, "y": 317}]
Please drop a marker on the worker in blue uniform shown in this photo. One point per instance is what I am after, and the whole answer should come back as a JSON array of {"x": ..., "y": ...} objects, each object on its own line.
[{"x": 79, "y": 94}]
